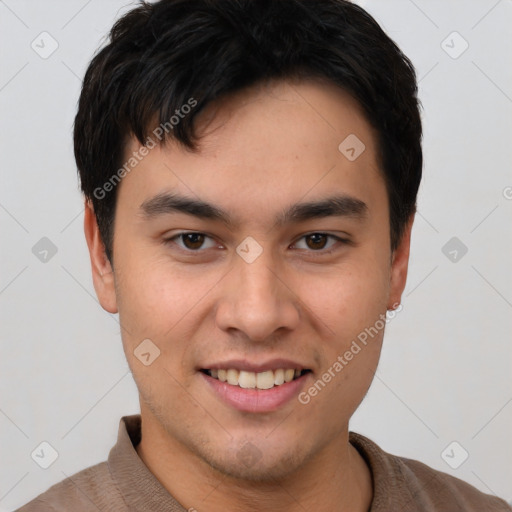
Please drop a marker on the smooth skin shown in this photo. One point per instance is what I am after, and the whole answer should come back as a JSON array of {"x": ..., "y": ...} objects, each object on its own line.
[{"x": 261, "y": 151}]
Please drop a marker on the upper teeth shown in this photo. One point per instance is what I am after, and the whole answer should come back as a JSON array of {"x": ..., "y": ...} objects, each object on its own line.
[{"x": 262, "y": 380}]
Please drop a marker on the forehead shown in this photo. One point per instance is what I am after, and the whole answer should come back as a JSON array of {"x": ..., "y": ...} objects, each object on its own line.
[{"x": 264, "y": 144}]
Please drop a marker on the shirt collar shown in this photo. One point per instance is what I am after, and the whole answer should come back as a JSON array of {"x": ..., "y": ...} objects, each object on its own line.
[{"x": 140, "y": 488}]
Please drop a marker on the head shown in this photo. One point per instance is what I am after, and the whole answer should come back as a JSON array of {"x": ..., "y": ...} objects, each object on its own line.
[{"x": 295, "y": 123}]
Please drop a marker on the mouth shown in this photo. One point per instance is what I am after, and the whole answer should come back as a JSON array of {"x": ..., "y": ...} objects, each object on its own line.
[
  {"x": 256, "y": 388},
  {"x": 255, "y": 380}
]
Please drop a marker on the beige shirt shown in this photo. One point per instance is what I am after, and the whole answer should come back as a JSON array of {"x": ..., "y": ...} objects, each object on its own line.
[{"x": 125, "y": 483}]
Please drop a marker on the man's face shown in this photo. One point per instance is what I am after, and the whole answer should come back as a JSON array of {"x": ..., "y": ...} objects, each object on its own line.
[{"x": 295, "y": 295}]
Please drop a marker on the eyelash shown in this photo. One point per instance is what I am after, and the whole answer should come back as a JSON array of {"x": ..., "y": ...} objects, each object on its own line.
[{"x": 320, "y": 252}]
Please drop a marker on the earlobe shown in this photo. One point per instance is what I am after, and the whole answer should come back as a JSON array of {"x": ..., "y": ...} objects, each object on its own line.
[
  {"x": 102, "y": 272},
  {"x": 399, "y": 267}
]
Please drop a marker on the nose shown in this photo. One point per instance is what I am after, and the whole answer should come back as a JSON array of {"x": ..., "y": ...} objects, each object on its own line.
[{"x": 257, "y": 300}]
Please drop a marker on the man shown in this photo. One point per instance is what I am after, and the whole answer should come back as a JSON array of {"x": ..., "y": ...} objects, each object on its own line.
[{"x": 250, "y": 171}]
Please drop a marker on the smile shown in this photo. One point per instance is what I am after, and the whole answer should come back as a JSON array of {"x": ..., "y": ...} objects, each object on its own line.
[
  {"x": 255, "y": 380},
  {"x": 256, "y": 391}
]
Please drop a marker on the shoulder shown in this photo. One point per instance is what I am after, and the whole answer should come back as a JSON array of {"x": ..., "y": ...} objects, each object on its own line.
[
  {"x": 91, "y": 489},
  {"x": 445, "y": 491},
  {"x": 412, "y": 485}
]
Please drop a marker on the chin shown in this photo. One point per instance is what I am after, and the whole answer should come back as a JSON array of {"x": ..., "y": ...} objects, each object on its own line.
[{"x": 267, "y": 469}]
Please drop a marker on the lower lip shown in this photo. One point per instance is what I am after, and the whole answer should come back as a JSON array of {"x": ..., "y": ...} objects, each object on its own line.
[{"x": 256, "y": 400}]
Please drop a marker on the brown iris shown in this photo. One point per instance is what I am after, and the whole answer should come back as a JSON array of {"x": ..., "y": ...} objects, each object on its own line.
[
  {"x": 317, "y": 238},
  {"x": 196, "y": 240}
]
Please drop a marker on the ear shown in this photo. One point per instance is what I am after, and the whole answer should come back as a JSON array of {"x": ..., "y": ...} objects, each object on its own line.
[
  {"x": 102, "y": 273},
  {"x": 399, "y": 266}
]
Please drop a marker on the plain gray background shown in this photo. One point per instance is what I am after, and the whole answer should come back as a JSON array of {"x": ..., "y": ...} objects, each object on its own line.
[{"x": 444, "y": 375}]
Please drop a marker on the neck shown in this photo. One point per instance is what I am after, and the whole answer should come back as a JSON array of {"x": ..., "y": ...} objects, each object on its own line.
[{"x": 337, "y": 479}]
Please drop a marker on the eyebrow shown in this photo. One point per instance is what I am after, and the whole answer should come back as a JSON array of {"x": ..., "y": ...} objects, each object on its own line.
[{"x": 334, "y": 206}]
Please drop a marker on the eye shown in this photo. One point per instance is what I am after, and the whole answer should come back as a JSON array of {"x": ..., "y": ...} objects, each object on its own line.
[
  {"x": 191, "y": 241},
  {"x": 317, "y": 242},
  {"x": 194, "y": 242}
]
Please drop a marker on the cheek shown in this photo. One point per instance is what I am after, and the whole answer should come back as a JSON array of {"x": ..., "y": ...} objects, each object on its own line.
[
  {"x": 353, "y": 304},
  {"x": 161, "y": 301},
  {"x": 350, "y": 297},
  {"x": 151, "y": 313},
  {"x": 151, "y": 294}
]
